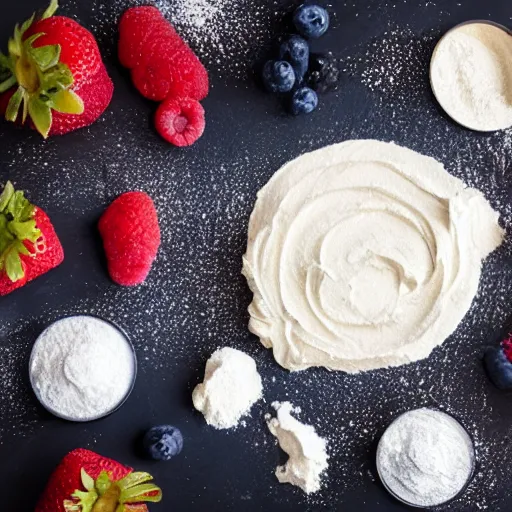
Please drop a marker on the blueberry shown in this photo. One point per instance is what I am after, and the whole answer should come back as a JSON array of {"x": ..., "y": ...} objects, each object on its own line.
[
  {"x": 163, "y": 442},
  {"x": 278, "y": 76},
  {"x": 311, "y": 21},
  {"x": 499, "y": 368},
  {"x": 323, "y": 74},
  {"x": 304, "y": 101},
  {"x": 295, "y": 50}
]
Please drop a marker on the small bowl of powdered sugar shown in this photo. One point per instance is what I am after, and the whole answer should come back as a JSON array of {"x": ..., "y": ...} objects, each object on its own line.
[
  {"x": 471, "y": 75},
  {"x": 426, "y": 458},
  {"x": 82, "y": 368}
]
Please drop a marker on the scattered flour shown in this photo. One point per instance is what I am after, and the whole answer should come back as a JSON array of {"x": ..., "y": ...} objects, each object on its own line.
[
  {"x": 306, "y": 449},
  {"x": 197, "y": 287},
  {"x": 393, "y": 65},
  {"x": 472, "y": 76},
  {"x": 225, "y": 34},
  {"x": 82, "y": 367},
  {"x": 425, "y": 457},
  {"x": 232, "y": 385}
]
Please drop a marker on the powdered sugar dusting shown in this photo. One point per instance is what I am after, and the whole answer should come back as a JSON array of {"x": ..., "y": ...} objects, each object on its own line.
[
  {"x": 225, "y": 34},
  {"x": 195, "y": 299}
]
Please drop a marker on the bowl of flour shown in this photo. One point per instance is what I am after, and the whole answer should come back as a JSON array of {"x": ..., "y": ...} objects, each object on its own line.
[
  {"x": 471, "y": 75},
  {"x": 82, "y": 368},
  {"x": 426, "y": 458}
]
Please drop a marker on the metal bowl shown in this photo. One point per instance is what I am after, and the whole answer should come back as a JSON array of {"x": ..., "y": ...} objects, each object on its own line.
[
  {"x": 430, "y": 506},
  {"x": 105, "y": 414},
  {"x": 432, "y": 81}
]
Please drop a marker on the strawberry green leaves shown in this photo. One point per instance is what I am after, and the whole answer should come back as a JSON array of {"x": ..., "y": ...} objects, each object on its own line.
[
  {"x": 105, "y": 495},
  {"x": 17, "y": 226},
  {"x": 7, "y": 79},
  {"x": 46, "y": 57},
  {"x": 66, "y": 102},
  {"x": 44, "y": 83},
  {"x": 51, "y": 10},
  {"x": 13, "y": 107},
  {"x": 6, "y": 195},
  {"x": 41, "y": 115},
  {"x": 87, "y": 481}
]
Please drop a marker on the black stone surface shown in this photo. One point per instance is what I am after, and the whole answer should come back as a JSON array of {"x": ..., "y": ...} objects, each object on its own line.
[{"x": 196, "y": 299}]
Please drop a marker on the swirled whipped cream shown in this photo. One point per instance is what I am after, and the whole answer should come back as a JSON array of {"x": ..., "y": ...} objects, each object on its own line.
[{"x": 364, "y": 255}]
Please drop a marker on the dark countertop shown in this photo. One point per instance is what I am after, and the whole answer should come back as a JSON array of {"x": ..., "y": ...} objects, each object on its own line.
[{"x": 196, "y": 299}]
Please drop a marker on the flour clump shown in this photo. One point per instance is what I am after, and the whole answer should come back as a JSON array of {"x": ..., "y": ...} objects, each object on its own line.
[
  {"x": 231, "y": 386},
  {"x": 307, "y": 451}
]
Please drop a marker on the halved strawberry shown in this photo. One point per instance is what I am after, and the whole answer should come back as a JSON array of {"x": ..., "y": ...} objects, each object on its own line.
[
  {"x": 87, "y": 482},
  {"x": 180, "y": 121},
  {"x": 29, "y": 246}
]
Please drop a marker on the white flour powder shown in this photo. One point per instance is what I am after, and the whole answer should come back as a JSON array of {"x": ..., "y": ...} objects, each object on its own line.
[
  {"x": 472, "y": 76},
  {"x": 232, "y": 385},
  {"x": 82, "y": 367},
  {"x": 425, "y": 457},
  {"x": 306, "y": 449}
]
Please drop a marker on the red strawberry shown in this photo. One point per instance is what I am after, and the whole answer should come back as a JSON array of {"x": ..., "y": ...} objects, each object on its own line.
[
  {"x": 180, "y": 121},
  {"x": 85, "y": 481},
  {"x": 54, "y": 75},
  {"x": 29, "y": 246},
  {"x": 131, "y": 237}
]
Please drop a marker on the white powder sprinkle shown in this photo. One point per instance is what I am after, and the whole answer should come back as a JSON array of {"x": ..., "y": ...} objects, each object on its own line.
[
  {"x": 82, "y": 367},
  {"x": 204, "y": 198},
  {"x": 225, "y": 34}
]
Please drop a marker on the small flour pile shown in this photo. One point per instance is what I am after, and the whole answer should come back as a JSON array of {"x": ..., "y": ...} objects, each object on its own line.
[
  {"x": 82, "y": 368},
  {"x": 471, "y": 75},
  {"x": 306, "y": 449},
  {"x": 425, "y": 457},
  {"x": 232, "y": 385}
]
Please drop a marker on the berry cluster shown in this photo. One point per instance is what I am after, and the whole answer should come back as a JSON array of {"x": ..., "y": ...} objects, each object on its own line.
[
  {"x": 164, "y": 68},
  {"x": 297, "y": 73},
  {"x": 498, "y": 362}
]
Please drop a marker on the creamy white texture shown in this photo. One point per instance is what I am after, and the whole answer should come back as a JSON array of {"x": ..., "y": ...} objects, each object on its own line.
[{"x": 364, "y": 255}]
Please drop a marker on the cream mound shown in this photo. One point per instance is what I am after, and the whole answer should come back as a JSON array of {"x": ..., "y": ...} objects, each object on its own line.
[
  {"x": 307, "y": 451},
  {"x": 364, "y": 255},
  {"x": 232, "y": 385}
]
